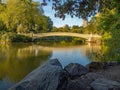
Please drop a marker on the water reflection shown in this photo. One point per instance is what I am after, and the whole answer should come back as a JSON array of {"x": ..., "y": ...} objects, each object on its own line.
[
  {"x": 77, "y": 54},
  {"x": 105, "y": 54},
  {"x": 17, "y": 60}
]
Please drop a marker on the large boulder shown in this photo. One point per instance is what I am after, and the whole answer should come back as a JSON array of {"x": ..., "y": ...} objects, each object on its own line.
[
  {"x": 46, "y": 77},
  {"x": 75, "y": 70},
  {"x": 75, "y": 79},
  {"x": 83, "y": 82},
  {"x": 93, "y": 66},
  {"x": 105, "y": 84}
]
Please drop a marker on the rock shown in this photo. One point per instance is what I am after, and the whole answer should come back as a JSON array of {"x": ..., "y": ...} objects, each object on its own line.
[
  {"x": 95, "y": 66},
  {"x": 105, "y": 84},
  {"x": 51, "y": 76},
  {"x": 64, "y": 77},
  {"x": 92, "y": 76},
  {"x": 75, "y": 70},
  {"x": 83, "y": 82},
  {"x": 112, "y": 63},
  {"x": 46, "y": 77},
  {"x": 78, "y": 84}
]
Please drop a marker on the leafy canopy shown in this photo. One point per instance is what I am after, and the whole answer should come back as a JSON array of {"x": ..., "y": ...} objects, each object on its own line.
[
  {"x": 23, "y": 16},
  {"x": 79, "y": 8}
]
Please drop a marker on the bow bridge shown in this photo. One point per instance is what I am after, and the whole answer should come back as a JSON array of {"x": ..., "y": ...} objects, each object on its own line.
[{"x": 87, "y": 37}]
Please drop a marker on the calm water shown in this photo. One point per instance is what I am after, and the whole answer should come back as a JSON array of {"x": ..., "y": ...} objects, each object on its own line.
[{"x": 17, "y": 60}]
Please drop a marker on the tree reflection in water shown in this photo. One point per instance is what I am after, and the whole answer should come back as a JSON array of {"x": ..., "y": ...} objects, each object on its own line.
[
  {"x": 16, "y": 61},
  {"x": 105, "y": 54}
]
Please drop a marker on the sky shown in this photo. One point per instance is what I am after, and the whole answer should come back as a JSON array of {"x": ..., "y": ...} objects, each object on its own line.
[{"x": 57, "y": 22}]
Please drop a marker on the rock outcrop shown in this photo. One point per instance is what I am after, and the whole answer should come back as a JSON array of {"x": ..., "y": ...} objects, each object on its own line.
[
  {"x": 51, "y": 76},
  {"x": 45, "y": 77},
  {"x": 104, "y": 84},
  {"x": 75, "y": 70}
]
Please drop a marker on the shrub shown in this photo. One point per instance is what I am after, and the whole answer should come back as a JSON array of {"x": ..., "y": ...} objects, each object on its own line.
[{"x": 13, "y": 37}]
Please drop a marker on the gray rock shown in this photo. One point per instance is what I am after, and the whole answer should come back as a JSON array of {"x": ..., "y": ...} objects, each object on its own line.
[
  {"x": 112, "y": 63},
  {"x": 104, "y": 84},
  {"x": 45, "y": 77},
  {"x": 75, "y": 70},
  {"x": 95, "y": 66},
  {"x": 92, "y": 76},
  {"x": 78, "y": 84},
  {"x": 64, "y": 77},
  {"x": 83, "y": 82}
]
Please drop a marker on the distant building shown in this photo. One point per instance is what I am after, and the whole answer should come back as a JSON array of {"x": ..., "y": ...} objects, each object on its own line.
[{"x": 85, "y": 22}]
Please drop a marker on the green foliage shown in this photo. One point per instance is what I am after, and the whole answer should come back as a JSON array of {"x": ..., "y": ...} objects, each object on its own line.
[
  {"x": 77, "y": 41},
  {"x": 109, "y": 23},
  {"x": 21, "y": 38},
  {"x": 61, "y": 40},
  {"x": 76, "y": 8},
  {"x": 66, "y": 28},
  {"x": 81, "y": 8},
  {"x": 13, "y": 37},
  {"x": 76, "y": 29},
  {"x": 55, "y": 29},
  {"x": 2, "y": 25},
  {"x": 23, "y": 16},
  {"x": 107, "y": 19},
  {"x": 61, "y": 29},
  {"x": 44, "y": 24}
]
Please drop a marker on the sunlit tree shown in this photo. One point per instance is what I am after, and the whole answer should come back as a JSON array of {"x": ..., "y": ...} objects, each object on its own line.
[{"x": 24, "y": 16}]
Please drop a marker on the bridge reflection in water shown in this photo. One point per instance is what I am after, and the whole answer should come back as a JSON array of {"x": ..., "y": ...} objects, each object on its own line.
[{"x": 66, "y": 55}]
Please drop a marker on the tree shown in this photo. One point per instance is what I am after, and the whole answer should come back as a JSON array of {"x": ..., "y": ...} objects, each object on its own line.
[
  {"x": 66, "y": 28},
  {"x": 77, "y": 29},
  {"x": 79, "y": 8},
  {"x": 55, "y": 29},
  {"x": 92, "y": 26},
  {"x": 50, "y": 24},
  {"x": 109, "y": 24},
  {"x": 43, "y": 24},
  {"x": 24, "y": 16}
]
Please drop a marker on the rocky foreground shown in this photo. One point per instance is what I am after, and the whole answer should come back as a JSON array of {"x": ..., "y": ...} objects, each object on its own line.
[{"x": 51, "y": 76}]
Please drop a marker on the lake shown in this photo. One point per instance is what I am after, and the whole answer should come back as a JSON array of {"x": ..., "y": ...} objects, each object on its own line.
[{"x": 17, "y": 60}]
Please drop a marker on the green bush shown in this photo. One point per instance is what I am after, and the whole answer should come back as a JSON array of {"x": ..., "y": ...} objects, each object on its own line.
[
  {"x": 13, "y": 37},
  {"x": 78, "y": 41},
  {"x": 21, "y": 38}
]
